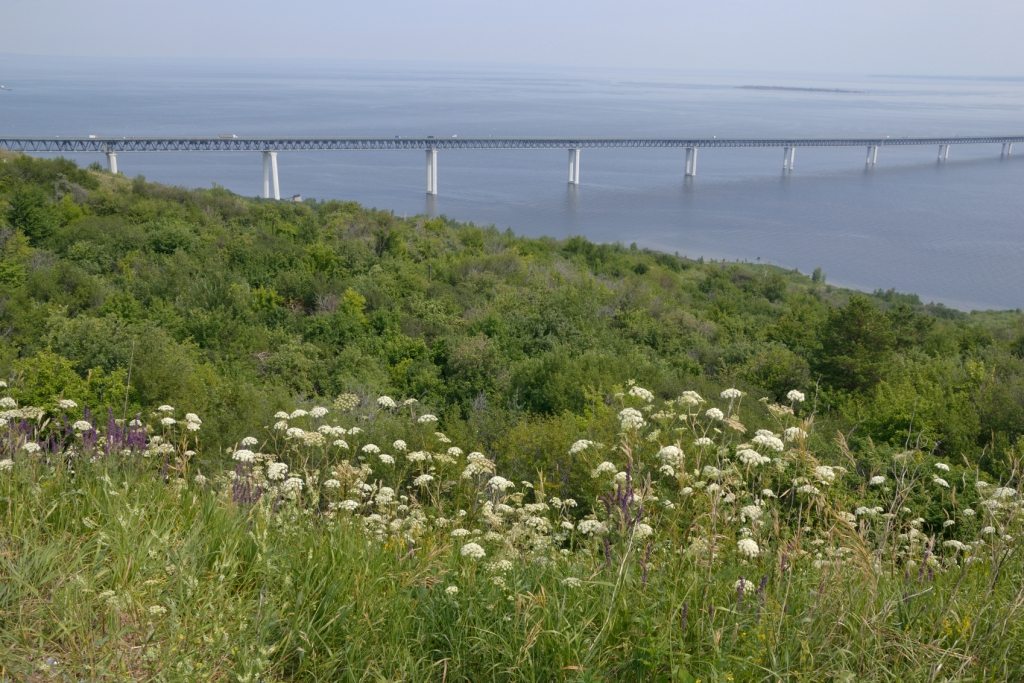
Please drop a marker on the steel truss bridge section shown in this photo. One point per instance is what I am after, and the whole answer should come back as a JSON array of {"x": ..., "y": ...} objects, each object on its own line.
[{"x": 219, "y": 144}]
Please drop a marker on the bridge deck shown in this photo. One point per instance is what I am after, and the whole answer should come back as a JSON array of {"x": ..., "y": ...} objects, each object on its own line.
[{"x": 222, "y": 144}]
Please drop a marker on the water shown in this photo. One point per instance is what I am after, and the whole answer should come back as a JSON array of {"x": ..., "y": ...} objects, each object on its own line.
[{"x": 952, "y": 233}]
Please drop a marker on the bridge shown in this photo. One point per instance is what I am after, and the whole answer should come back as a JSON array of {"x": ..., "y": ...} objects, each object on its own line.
[{"x": 270, "y": 147}]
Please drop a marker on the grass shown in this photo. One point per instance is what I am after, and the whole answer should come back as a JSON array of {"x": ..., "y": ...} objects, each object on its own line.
[{"x": 125, "y": 567}]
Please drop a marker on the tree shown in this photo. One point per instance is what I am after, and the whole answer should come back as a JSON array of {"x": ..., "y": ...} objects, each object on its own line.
[{"x": 855, "y": 342}]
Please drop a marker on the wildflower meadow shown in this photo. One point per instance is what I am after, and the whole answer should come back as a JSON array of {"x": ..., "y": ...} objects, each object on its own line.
[{"x": 357, "y": 541}]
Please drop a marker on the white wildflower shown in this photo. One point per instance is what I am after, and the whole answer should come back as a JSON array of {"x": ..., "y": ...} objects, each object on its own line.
[
  {"x": 6, "y": 465},
  {"x": 497, "y": 483},
  {"x": 81, "y": 426},
  {"x": 473, "y": 551},
  {"x": 751, "y": 513},
  {"x": 317, "y": 412},
  {"x": 750, "y": 457},
  {"x": 427, "y": 419},
  {"x": 423, "y": 480},
  {"x": 244, "y": 455},
  {"x": 743, "y": 585},
  {"x": 386, "y": 402},
  {"x": 671, "y": 455},
  {"x": 942, "y": 467},
  {"x": 731, "y": 393},
  {"x": 276, "y": 471},
  {"x": 165, "y": 409},
  {"x": 876, "y": 480},
  {"x": 579, "y": 446},
  {"x": 400, "y": 446},
  {"x": 825, "y": 474},
  {"x": 794, "y": 434},
  {"x": 748, "y": 548},
  {"x": 591, "y": 527},
  {"x": 714, "y": 414},
  {"x": 450, "y": 591},
  {"x": 795, "y": 396},
  {"x": 631, "y": 419},
  {"x": 641, "y": 393},
  {"x": 642, "y": 531},
  {"x": 66, "y": 404},
  {"x": 939, "y": 481}
]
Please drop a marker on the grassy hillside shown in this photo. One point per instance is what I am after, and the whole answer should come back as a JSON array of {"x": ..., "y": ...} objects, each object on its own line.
[{"x": 251, "y": 440}]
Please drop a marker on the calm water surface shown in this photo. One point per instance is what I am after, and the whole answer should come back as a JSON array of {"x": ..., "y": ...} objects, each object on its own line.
[{"x": 952, "y": 233}]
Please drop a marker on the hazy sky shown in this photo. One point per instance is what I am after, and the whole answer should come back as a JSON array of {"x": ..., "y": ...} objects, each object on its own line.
[{"x": 978, "y": 37}]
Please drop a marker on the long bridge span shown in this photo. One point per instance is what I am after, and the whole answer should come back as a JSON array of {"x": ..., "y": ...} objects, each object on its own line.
[{"x": 270, "y": 147}]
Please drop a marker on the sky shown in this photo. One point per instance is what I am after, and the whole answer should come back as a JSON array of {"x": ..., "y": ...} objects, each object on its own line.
[{"x": 921, "y": 37}]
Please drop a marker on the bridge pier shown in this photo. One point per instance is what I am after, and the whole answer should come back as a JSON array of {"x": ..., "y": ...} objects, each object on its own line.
[
  {"x": 270, "y": 179},
  {"x": 432, "y": 171},
  {"x": 112, "y": 162},
  {"x": 788, "y": 158},
  {"x": 1007, "y": 149},
  {"x": 691, "y": 162},
  {"x": 574, "y": 166},
  {"x": 872, "y": 155},
  {"x": 943, "y": 153}
]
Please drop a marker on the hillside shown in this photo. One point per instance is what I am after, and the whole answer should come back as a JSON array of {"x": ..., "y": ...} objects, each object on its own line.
[
  {"x": 264, "y": 441},
  {"x": 238, "y": 307}
]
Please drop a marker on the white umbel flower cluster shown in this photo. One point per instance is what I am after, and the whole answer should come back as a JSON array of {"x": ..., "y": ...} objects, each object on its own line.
[
  {"x": 747, "y": 547},
  {"x": 474, "y": 551}
]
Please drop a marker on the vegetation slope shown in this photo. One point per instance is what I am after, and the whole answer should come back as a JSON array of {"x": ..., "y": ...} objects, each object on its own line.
[{"x": 128, "y": 531}]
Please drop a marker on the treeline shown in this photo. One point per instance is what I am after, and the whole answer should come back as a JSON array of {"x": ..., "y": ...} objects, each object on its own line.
[{"x": 123, "y": 294}]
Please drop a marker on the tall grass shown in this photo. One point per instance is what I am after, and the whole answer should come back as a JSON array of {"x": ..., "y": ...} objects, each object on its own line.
[{"x": 127, "y": 566}]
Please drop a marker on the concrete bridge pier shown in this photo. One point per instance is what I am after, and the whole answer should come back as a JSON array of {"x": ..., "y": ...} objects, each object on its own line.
[
  {"x": 270, "y": 179},
  {"x": 788, "y": 158},
  {"x": 872, "y": 155},
  {"x": 1007, "y": 149},
  {"x": 432, "y": 171},
  {"x": 112, "y": 161},
  {"x": 943, "y": 153},
  {"x": 574, "y": 166},
  {"x": 691, "y": 162}
]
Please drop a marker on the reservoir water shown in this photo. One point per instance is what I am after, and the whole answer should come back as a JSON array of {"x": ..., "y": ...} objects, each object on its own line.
[{"x": 951, "y": 233}]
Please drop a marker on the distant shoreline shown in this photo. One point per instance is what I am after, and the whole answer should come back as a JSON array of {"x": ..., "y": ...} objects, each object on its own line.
[{"x": 790, "y": 88}]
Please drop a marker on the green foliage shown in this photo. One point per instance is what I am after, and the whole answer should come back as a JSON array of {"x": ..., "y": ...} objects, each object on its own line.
[
  {"x": 204, "y": 295},
  {"x": 855, "y": 343},
  {"x": 44, "y": 377}
]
